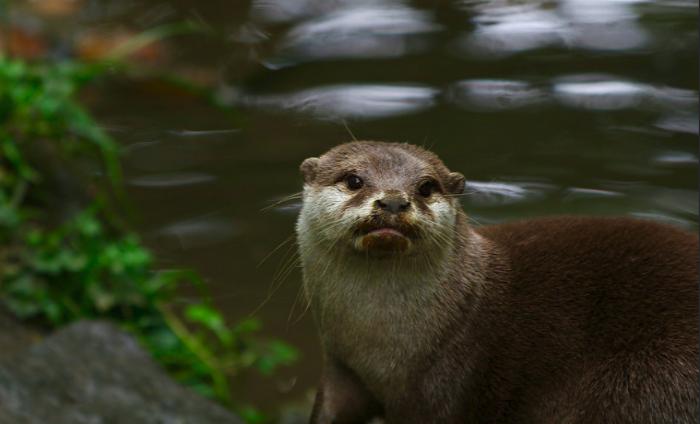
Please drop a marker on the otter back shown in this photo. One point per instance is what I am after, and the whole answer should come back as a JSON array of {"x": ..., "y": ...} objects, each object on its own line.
[{"x": 597, "y": 321}]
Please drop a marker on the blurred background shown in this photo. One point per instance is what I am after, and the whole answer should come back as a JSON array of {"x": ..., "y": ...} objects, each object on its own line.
[{"x": 547, "y": 107}]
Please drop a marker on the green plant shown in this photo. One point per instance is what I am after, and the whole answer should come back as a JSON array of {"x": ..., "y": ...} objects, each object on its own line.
[{"x": 57, "y": 269}]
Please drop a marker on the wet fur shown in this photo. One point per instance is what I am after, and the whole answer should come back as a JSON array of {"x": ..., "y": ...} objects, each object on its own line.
[{"x": 556, "y": 320}]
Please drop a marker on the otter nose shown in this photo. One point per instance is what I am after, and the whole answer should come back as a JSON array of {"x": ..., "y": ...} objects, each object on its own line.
[{"x": 393, "y": 204}]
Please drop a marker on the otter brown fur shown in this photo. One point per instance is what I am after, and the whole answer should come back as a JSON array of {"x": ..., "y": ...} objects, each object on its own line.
[{"x": 554, "y": 320}]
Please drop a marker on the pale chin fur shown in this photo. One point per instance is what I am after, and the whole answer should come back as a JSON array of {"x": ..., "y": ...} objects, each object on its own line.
[{"x": 370, "y": 305}]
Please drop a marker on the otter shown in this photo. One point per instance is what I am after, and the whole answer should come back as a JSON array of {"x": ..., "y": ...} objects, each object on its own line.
[{"x": 425, "y": 318}]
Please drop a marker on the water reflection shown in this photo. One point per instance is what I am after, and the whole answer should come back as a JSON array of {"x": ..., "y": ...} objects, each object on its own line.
[
  {"x": 171, "y": 180},
  {"x": 602, "y": 92},
  {"x": 677, "y": 202},
  {"x": 602, "y": 95},
  {"x": 493, "y": 95},
  {"x": 203, "y": 133},
  {"x": 675, "y": 158},
  {"x": 484, "y": 193},
  {"x": 680, "y": 201},
  {"x": 348, "y": 101},
  {"x": 679, "y": 122},
  {"x": 195, "y": 233},
  {"x": 604, "y": 24},
  {"x": 660, "y": 216},
  {"x": 504, "y": 28},
  {"x": 586, "y": 91},
  {"x": 278, "y": 11},
  {"x": 356, "y": 32},
  {"x": 576, "y": 193}
]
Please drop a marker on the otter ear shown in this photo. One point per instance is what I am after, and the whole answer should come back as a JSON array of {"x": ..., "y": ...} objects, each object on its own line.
[
  {"x": 455, "y": 183},
  {"x": 308, "y": 169}
]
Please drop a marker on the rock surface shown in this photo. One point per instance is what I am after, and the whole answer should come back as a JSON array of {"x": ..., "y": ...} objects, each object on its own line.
[{"x": 92, "y": 372}]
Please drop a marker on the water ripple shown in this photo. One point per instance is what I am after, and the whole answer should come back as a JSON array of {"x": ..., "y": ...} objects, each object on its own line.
[
  {"x": 196, "y": 232},
  {"x": 339, "y": 102},
  {"x": 682, "y": 122},
  {"x": 607, "y": 92},
  {"x": 171, "y": 180},
  {"x": 503, "y": 29},
  {"x": 278, "y": 11},
  {"x": 355, "y": 32},
  {"x": 203, "y": 133},
  {"x": 502, "y": 193},
  {"x": 506, "y": 30},
  {"x": 576, "y": 193},
  {"x": 492, "y": 95},
  {"x": 676, "y": 158}
]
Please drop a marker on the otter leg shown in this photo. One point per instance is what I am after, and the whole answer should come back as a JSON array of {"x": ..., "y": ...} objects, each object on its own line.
[{"x": 342, "y": 398}]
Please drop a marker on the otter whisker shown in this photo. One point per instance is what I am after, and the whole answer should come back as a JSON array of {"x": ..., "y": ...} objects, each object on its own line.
[
  {"x": 290, "y": 261},
  {"x": 285, "y": 199},
  {"x": 473, "y": 220},
  {"x": 347, "y": 128},
  {"x": 272, "y": 252},
  {"x": 307, "y": 306}
]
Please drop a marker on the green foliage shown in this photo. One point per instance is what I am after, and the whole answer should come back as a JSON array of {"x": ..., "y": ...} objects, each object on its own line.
[
  {"x": 57, "y": 269},
  {"x": 37, "y": 103}
]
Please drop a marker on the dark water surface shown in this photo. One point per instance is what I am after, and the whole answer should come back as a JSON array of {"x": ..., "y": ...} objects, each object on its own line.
[{"x": 547, "y": 107}]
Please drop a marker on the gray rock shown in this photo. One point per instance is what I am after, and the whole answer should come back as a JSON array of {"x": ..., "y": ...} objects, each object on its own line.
[{"x": 92, "y": 372}]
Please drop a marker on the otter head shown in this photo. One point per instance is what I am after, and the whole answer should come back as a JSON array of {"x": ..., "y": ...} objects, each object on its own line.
[{"x": 378, "y": 199}]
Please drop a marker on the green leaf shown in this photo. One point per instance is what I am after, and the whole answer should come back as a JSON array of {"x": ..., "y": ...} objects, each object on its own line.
[
  {"x": 247, "y": 326},
  {"x": 211, "y": 319}
]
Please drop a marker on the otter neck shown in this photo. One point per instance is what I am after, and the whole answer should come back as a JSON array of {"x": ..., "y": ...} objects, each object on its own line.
[{"x": 377, "y": 315}]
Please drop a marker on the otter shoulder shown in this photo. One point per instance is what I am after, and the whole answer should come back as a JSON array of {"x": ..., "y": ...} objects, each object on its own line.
[
  {"x": 580, "y": 233},
  {"x": 613, "y": 282},
  {"x": 600, "y": 248}
]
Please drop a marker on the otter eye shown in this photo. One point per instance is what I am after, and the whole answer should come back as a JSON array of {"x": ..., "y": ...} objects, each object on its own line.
[
  {"x": 354, "y": 182},
  {"x": 427, "y": 188}
]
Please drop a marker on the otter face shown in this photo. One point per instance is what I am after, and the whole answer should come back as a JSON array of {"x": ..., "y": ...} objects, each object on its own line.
[{"x": 378, "y": 199}]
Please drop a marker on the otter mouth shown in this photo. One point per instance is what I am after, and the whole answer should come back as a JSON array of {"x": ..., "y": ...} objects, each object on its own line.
[{"x": 384, "y": 237}]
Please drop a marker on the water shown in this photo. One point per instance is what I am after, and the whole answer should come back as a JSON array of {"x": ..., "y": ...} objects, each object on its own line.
[{"x": 547, "y": 107}]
